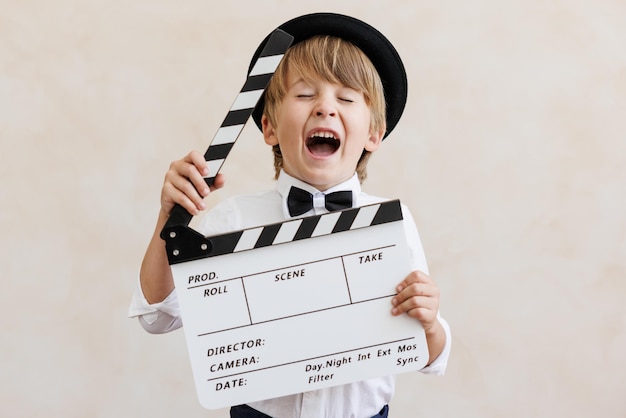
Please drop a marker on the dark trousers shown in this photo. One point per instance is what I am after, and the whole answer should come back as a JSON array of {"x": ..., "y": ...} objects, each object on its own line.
[{"x": 244, "y": 411}]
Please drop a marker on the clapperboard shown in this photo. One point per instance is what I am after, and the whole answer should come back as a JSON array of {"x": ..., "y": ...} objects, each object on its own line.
[{"x": 295, "y": 306}]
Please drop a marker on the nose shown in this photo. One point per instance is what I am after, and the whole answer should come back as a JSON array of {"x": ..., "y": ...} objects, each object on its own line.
[{"x": 324, "y": 107}]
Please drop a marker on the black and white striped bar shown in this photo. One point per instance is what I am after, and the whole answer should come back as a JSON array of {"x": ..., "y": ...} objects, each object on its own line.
[
  {"x": 246, "y": 100},
  {"x": 239, "y": 113},
  {"x": 189, "y": 245}
]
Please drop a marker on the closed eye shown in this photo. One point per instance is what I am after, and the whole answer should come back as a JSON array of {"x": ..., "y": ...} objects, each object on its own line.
[{"x": 349, "y": 95}]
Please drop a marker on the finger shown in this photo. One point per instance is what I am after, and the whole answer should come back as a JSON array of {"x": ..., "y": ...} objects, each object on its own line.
[
  {"x": 415, "y": 276},
  {"x": 183, "y": 171},
  {"x": 418, "y": 289},
  {"x": 187, "y": 186},
  {"x": 218, "y": 182},
  {"x": 416, "y": 295},
  {"x": 195, "y": 168},
  {"x": 424, "y": 315},
  {"x": 197, "y": 159},
  {"x": 172, "y": 195},
  {"x": 196, "y": 172},
  {"x": 418, "y": 307},
  {"x": 177, "y": 187}
]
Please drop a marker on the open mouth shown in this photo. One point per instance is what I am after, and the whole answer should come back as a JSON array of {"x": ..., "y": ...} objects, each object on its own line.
[{"x": 322, "y": 144}]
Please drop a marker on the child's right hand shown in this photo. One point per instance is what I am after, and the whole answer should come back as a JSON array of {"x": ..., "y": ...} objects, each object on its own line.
[{"x": 184, "y": 184}]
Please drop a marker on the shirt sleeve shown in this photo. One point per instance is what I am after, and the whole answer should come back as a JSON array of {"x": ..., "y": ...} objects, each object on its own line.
[
  {"x": 156, "y": 318},
  {"x": 438, "y": 366},
  {"x": 162, "y": 317},
  {"x": 418, "y": 262},
  {"x": 416, "y": 250}
]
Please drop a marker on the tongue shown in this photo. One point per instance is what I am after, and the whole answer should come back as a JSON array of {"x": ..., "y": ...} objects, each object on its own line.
[{"x": 321, "y": 149}]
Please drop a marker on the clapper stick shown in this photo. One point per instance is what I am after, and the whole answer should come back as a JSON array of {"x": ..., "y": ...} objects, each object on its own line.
[{"x": 239, "y": 113}]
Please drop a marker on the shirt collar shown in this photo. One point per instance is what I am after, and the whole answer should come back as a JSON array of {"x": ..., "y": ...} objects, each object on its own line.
[{"x": 285, "y": 181}]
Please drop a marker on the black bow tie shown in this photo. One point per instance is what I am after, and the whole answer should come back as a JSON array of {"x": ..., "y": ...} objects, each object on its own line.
[{"x": 300, "y": 201}]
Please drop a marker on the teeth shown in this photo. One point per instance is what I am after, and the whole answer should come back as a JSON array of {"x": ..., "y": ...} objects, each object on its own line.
[{"x": 324, "y": 134}]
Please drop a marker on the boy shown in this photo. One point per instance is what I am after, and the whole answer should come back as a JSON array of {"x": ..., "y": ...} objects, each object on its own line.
[{"x": 339, "y": 91}]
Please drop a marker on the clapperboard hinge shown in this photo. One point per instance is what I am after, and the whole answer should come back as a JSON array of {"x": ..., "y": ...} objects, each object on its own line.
[{"x": 184, "y": 244}]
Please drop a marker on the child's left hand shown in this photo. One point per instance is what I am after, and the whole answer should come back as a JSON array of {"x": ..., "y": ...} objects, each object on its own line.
[{"x": 418, "y": 296}]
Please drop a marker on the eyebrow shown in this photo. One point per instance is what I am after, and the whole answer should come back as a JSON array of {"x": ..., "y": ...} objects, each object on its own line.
[{"x": 299, "y": 80}]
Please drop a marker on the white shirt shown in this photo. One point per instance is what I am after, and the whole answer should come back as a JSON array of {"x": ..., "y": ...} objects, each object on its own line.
[{"x": 359, "y": 400}]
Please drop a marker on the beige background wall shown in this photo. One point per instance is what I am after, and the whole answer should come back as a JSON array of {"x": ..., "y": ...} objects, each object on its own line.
[{"x": 511, "y": 155}]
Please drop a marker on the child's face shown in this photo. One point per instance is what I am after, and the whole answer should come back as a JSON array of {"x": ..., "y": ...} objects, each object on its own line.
[{"x": 322, "y": 129}]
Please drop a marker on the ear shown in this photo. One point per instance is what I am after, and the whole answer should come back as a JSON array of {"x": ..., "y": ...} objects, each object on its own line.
[
  {"x": 269, "y": 133},
  {"x": 375, "y": 139}
]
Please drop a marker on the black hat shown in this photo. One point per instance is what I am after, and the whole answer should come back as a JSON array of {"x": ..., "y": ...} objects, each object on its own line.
[{"x": 373, "y": 44}]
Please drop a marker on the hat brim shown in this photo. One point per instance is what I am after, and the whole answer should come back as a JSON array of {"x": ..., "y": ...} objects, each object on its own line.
[{"x": 373, "y": 43}]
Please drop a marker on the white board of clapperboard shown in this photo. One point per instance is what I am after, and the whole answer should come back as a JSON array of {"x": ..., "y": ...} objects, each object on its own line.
[{"x": 296, "y": 306}]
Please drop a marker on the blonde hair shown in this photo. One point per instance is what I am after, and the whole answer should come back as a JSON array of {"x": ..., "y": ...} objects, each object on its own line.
[{"x": 334, "y": 60}]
